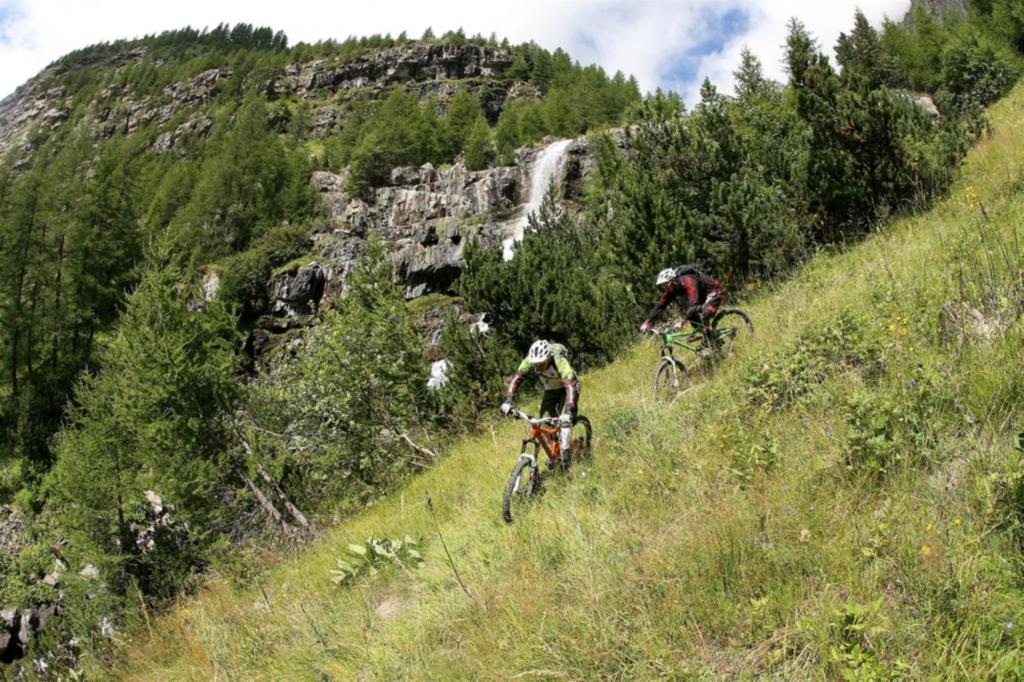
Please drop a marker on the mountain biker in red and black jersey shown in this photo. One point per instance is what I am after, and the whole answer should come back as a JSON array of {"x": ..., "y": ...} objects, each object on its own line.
[{"x": 698, "y": 294}]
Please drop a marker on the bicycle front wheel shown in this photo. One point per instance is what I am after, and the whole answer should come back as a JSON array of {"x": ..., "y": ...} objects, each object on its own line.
[
  {"x": 520, "y": 486},
  {"x": 729, "y": 326},
  {"x": 670, "y": 379}
]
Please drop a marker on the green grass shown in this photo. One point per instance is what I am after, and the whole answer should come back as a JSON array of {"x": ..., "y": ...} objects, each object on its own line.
[
  {"x": 835, "y": 501},
  {"x": 294, "y": 264}
]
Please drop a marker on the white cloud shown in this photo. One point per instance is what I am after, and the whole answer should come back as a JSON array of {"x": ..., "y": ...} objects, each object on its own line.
[
  {"x": 644, "y": 38},
  {"x": 767, "y": 32}
]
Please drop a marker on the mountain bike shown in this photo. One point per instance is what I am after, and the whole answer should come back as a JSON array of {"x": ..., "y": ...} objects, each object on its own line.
[
  {"x": 713, "y": 342},
  {"x": 525, "y": 480}
]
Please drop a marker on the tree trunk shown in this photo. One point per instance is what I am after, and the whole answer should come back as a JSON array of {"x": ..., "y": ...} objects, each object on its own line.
[
  {"x": 292, "y": 509},
  {"x": 267, "y": 505},
  {"x": 430, "y": 455}
]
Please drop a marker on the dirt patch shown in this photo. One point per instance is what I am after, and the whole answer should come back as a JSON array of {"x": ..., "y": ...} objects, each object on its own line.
[{"x": 389, "y": 608}]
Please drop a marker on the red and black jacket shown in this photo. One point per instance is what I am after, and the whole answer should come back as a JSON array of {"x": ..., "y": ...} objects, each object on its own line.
[{"x": 689, "y": 291}]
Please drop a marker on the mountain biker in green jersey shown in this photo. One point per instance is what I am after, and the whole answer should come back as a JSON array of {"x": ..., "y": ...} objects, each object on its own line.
[{"x": 561, "y": 388}]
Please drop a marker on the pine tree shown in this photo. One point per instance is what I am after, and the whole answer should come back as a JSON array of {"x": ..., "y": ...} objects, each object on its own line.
[
  {"x": 552, "y": 288},
  {"x": 459, "y": 121},
  {"x": 750, "y": 80},
  {"x": 152, "y": 419},
  {"x": 480, "y": 151},
  {"x": 506, "y": 134},
  {"x": 861, "y": 55}
]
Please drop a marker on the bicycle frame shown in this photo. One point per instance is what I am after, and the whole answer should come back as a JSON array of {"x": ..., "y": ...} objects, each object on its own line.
[
  {"x": 543, "y": 438},
  {"x": 691, "y": 339}
]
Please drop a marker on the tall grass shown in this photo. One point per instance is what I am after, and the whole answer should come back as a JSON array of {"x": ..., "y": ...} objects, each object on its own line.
[{"x": 862, "y": 527}]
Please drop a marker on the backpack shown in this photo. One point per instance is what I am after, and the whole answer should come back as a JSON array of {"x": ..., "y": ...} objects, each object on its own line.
[
  {"x": 558, "y": 349},
  {"x": 689, "y": 269}
]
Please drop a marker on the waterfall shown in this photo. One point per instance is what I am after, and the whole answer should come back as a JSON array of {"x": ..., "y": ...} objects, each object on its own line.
[{"x": 546, "y": 167}]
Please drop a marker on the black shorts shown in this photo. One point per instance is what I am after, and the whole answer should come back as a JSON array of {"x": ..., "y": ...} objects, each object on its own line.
[{"x": 552, "y": 402}]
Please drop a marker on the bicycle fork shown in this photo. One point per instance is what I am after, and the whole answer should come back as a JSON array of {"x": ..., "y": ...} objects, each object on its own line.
[{"x": 527, "y": 442}]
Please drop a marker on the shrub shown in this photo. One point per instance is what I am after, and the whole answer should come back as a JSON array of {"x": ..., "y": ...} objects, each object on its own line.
[
  {"x": 244, "y": 276},
  {"x": 335, "y": 413},
  {"x": 896, "y": 426},
  {"x": 793, "y": 372},
  {"x": 976, "y": 72}
]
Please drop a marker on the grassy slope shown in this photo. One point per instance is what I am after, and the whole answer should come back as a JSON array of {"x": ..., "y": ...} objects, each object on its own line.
[{"x": 654, "y": 562}]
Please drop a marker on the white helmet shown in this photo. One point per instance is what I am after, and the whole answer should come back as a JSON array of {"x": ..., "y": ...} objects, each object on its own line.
[
  {"x": 666, "y": 276},
  {"x": 539, "y": 352}
]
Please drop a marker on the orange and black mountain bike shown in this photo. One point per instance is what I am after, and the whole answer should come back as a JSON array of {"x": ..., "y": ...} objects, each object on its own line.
[{"x": 525, "y": 480}]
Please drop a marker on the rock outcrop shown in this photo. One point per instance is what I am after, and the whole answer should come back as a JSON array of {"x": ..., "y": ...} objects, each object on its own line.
[
  {"x": 296, "y": 292},
  {"x": 437, "y": 70},
  {"x": 12, "y": 531},
  {"x": 19, "y": 626},
  {"x": 39, "y": 103},
  {"x": 433, "y": 62},
  {"x": 936, "y": 8},
  {"x": 426, "y": 217}
]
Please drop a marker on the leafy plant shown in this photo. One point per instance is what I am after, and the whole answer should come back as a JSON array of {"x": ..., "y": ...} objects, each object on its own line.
[
  {"x": 858, "y": 630},
  {"x": 375, "y": 555},
  {"x": 887, "y": 428},
  {"x": 794, "y": 371},
  {"x": 760, "y": 456}
]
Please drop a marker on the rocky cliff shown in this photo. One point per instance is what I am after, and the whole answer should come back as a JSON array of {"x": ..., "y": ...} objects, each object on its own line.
[
  {"x": 426, "y": 216},
  {"x": 427, "y": 70}
]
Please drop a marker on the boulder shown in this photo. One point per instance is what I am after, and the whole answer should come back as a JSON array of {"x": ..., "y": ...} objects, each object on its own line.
[
  {"x": 43, "y": 614},
  {"x": 211, "y": 285},
  {"x": 59, "y": 568}
]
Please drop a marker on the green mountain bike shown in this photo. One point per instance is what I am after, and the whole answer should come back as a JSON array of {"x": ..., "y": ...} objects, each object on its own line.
[{"x": 713, "y": 342}]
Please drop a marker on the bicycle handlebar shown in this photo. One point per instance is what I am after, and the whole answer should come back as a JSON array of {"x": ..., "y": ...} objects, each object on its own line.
[{"x": 538, "y": 421}]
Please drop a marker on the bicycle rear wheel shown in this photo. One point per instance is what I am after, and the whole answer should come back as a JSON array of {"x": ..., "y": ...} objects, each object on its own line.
[
  {"x": 729, "y": 326},
  {"x": 521, "y": 484},
  {"x": 670, "y": 379},
  {"x": 581, "y": 435}
]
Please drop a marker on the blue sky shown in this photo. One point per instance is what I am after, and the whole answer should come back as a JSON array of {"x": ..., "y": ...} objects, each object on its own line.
[
  {"x": 721, "y": 28},
  {"x": 8, "y": 15},
  {"x": 672, "y": 44}
]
